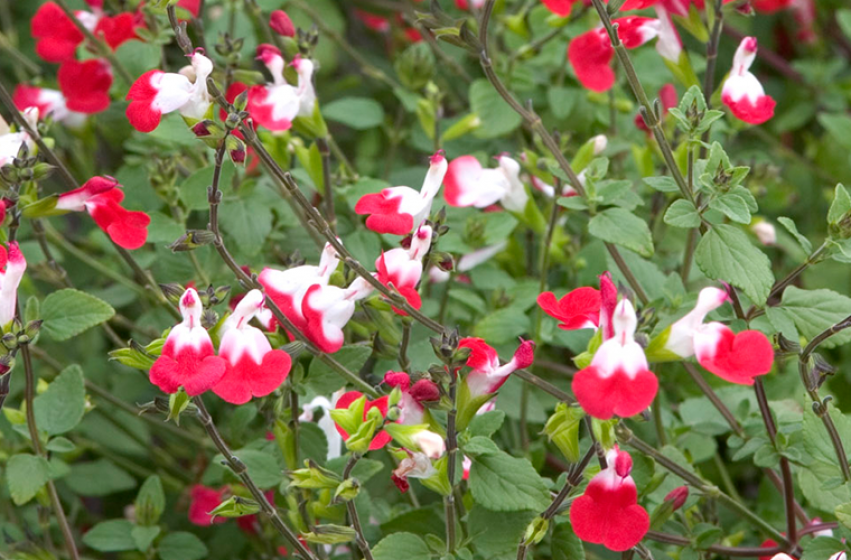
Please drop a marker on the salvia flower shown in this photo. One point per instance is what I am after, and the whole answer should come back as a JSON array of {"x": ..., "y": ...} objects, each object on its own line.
[
  {"x": 742, "y": 92},
  {"x": 253, "y": 368},
  {"x": 416, "y": 465},
  {"x": 12, "y": 268},
  {"x": 608, "y": 512},
  {"x": 397, "y": 210},
  {"x": 157, "y": 93},
  {"x": 591, "y": 53},
  {"x": 468, "y": 184},
  {"x": 486, "y": 375},
  {"x": 381, "y": 438},
  {"x": 101, "y": 197},
  {"x": 281, "y": 23},
  {"x": 304, "y": 68},
  {"x": 203, "y": 500},
  {"x": 413, "y": 396},
  {"x": 50, "y": 102},
  {"x": 618, "y": 381},
  {"x": 577, "y": 309},
  {"x": 275, "y": 105},
  {"x": 188, "y": 358},
  {"x": 326, "y": 310},
  {"x": 10, "y": 142},
  {"x": 326, "y": 423},
  {"x": 402, "y": 268}
]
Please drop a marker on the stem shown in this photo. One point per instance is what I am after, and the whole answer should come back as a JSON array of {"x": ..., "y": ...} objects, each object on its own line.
[
  {"x": 451, "y": 452},
  {"x": 785, "y": 470},
  {"x": 103, "y": 49},
  {"x": 29, "y": 396},
  {"x": 712, "y": 54},
  {"x": 363, "y": 544},
  {"x": 325, "y": 152},
  {"x": 240, "y": 470},
  {"x": 715, "y": 399},
  {"x": 814, "y": 258},
  {"x": 744, "y": 552},
  {"x": 404, "y": 361}
]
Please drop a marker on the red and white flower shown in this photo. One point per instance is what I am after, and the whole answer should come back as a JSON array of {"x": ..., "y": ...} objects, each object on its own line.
[
  {"x": 618, "y": 381},
  {"x": 188, "y": 358},
  {"x": 486, "y": 375},
  {"x": 381, "y": 438},
  {"x": 325, "y": 423},
  {"x": 101, "y": 197},
  {"x": 608, "y": 512},
  {"x": 742, "y": 92},
  {"x": 591, "y": 53},
  {"x": 304, "y": 68},
  {"x": 49, "y": 102},
  {"x": 402, "y": 268},
  {"x": 85, "y": 85},
  {"x": 10, "y": 142},
  {"x": 577, "y": 309},
  {"x": 253, "y": 368},
  {"x": 274, "y": 105},
  {"x": 157, "y": 93},
  {"x": 468, "y": 184},
  {"x": 398, "y": 210},
  {"x": 326, "y": 310},
  {"x": 410, "y": 404},
  {"x": 12, "y": 268},
  {"x": 415, "y": 465},
  {"x": 736, "y": 358}
]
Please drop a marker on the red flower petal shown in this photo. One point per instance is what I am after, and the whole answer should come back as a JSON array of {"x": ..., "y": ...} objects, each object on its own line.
[
  {"x": 738, "y": 358},
  {"x": 247, "y": 378},
  {"x": 482, "y": 354},
  {"x": 609, "y": 516},
  {"x": 117, "y": 29},
  {"x": 385, "y": 216},
  {"x": 205, "y": 500},
  {"x": 575, "y": 309},
  {"x": 561, "y": 8},
  {"x": 85, "y": 85},
  {"x": 616, "y": 394},
  {"x": 56, "y": 35},
  {"x": 590, "y": 54},
  {"x": 141, "y": 113},
  {"x": 746, "y": 110}
]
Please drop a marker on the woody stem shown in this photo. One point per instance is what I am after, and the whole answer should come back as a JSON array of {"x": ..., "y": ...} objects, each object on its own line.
[
  {"x": 363, "y": 544},
  {"x": 451, "y": 452},
  {"x": 241, "y": 470}
]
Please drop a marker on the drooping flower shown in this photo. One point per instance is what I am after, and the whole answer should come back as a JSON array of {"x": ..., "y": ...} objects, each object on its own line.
[
  {"x": 101, "y": 197},
  {"x": 486, "y": 375},
  {"x": 381, "y": 438},
  {"x": 468, "y": 184},
  {"x": 253, "y": 368},
  {"x": 765, "y": 232},
  {"x": 12, "y": 268},
  {"x": 591, "y": 53},
  {"x": 577, "y": 309},
  {"x": 736, "y": 358},
  {"x": 157, "y": 93},
  {"x": 188, "y": 358},
  {"x": 85, "y": 85},
  {"x": 608, "y": 512},
  {"x": 398, "y": 210},
  {"x": 304, "y": 68},
  {"x": 742, "y": 92},
  {"x": 281, "y": 23},
  {"x": 402, "y": 268},
  {"x": 410, "y": 404},
  {"x": 326, "y": 310},
  {"x": 416, "y": 465},
  {"x": 275, "y": 105},
  {"x": 203, "y": 500},
  {"x": 618, "y": 381},
  {"x": 10, "y": 142}
]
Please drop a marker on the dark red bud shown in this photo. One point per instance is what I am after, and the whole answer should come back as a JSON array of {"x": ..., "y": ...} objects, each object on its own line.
[
  {"x": 281, "y": 23},
  {"x": 678, "y": 496}
]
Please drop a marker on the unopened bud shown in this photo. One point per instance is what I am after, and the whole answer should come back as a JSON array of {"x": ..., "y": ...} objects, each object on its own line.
[
  {"x": 173, "y": 291},
  {"x": 281, "y": 23},
  {"x": 241, "y": 101},
  {"x": 536, "y": 531},
  {"x": 192, "y": 239},
  {"x": 415, "y": 66},
  {"x": 677, "y": 497},
  {"x": 236, "y": 149}
]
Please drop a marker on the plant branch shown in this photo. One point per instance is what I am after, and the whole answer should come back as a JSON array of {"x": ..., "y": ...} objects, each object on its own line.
[{"x": 363, "y": 544}]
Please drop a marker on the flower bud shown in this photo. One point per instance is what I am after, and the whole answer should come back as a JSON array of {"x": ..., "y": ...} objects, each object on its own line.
[
  {"x": 330, "y": 534},
  {"x": 314, "y": 477},
  {"x": 347, "y": 490},
  {"x": 562, "y": 429},
  {"x": 415, "y": 66},
  {"x": 281, "y": 23},
  {"x": 677, "y": 497},
  {"x": 177, "y": 403},
  {"x": 192, "y": 239},
  {"x": 235, "y": 506},
  {"x": 536, "y": 531}
]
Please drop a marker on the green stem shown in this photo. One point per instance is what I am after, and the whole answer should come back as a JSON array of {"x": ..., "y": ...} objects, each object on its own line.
[{"x": 362, "y": 543}]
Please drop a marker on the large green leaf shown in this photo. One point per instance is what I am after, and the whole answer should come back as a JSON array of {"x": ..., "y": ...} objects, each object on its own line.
[
  {"x": 25, "y": 475},
  {"x": 61, "y": 407},
  {"x": 500, "y": 482},
  {"x": 622, "y": 227},
  {"x": 725, "y": 253},
  {"x": 405, "y": 546},
  {"x": 98, "y": 478},
  {"x": 248, "y": 221},
  {"x": 67, "y": 313},
  {"x": 181, "y": 546},
  {"x": 359, "y": 113},
  {"x": 814, "y": 311},
  {"x": 115, "y": 535}
]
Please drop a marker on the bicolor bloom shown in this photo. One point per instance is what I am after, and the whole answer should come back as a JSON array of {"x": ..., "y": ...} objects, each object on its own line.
[
  {"x": 742, "y": 92},
  {"x": 736, "y": 358},
  {"x": 591, "y": 53},
  {"x": 326, "y": 310},
  {"x": 280, "y": 23},
  {"x": 253, "y": 368},
  {"x": 326, "y": 423},
  {"x": 415, "y": 465},
  {"x": 398, "y": 210},
  {"x": 203, "y": 500},
  {"x": 468, "y": 262},
  {"x": 287, "y": 287},
  {"x": 101, "y": 197},
  {"x": 85, "y": 85},
  {"x": 304, "y": 68},
  {"x": 486, "y": 375},
  {"x": 10, "y": 142},
  {"x": 381, "y": 438},
  {"x": 50, "y": 102},
  {"x": 402, "y": 268},
  {"x": 275, "y": 105},
  {"x": 577, "y": 309},
  {"x": 468, "y": 184},
  {"x": 669, "y": 45},
  {"x": 12, "y": 268},
  {"x": 410, "y": 404},
  {"x": 608, "y": 512},
  {"x": 188, "y": 358},
  {"x": 157, "y": 93},
  {"x": 618, "y": 381}
]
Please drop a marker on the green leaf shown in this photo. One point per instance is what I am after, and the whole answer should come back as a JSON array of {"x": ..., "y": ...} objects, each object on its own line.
[
  {"x": 838, "y": 125},
  {"x": 566, "y": 545},
  {"x": 479, "y": 445},
  {"x": 499, "y": 118},
  {"x": 150, "y": 501},
  {"x": 359, "y": 113},
  {"x": 662, "y": 184},
  {"x": 98, "y": 478},
  {"x": 496, "y": 534},
  {"x": 814, "y": 311},
  {"x": 60, "y": 445},
  {"x": 323, "y": 380},
  {"x": 181, "y": 546},
  {"x": 486, "y": 424},
  {"x": 248, "y": 221},
  {"x": 193, "y": 190},
  {"x": 840, "y": 206},
  {"x": 562, "y": 100},
  {"x": 503, "y": 325},
  {"x": 843, "y": 17},
  {"x": 405, "y": 546},
  {"x": 793, "y": 229},
  {"x": 622, "y": 227},
  {"x": 144, "y": 536},
  {"x": 500, "y": 482},
  {"x": 843, "y": 514},
  {"x": 262, "y": 467},
  {"x": 732, "y": 206},
  {"x": 725, "y": 253},
  {"x": 682, "y": 214},
  {"x": 821, "y": 548},
  {"x": 67, "y": 313},
  {"x": 25, "y": 475},
  {"x": 138, "y": 57},
  {"x": 61, "y": 407},
  {"x": 115, "y": 535}
]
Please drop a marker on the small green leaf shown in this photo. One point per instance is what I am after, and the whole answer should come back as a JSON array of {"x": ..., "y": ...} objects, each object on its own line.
[
  {"x": 732, "y": 206},
  {"x": 486, "y": 424},
  {"x": 662, "y": 184},
  {"x": 622, "y": 227},
  {"x": 98, "y": 478},
  {"x": 181, "y": 546},
  {"x": 262, "y": 467},
  {"x": 814, "y": 311},
  {"x": 726, "y": 253},
  {"x": 60, "y": 445},
  {"x": 150, "y": 501},
  {"x": 359, "y": 113},
  {"x": 144, "y": 536},
  {"x": 840, "y": 206},
  {"x": 61, "y": 407},
  {"x": 682, "y": 214},
  {"x": 398, "y": 546},
  {"x": 566, "y": 545},
  {"x": 843, "y": 514},
  {"x": 25, "y": 475},
  {"x": 115, "y": 535},
  {"x": 793, "y": 229},
  {"x": 67, "y": 313},
  {"x": 502, "y": 325},
  {"x": 500, "y": 482}
]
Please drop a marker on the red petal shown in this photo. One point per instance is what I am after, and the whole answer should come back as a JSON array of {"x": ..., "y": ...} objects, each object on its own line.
[
  {"x": 561, "y": 8},
  {"x": 752, "y": 113},
  {"x": 56, "y": 35},
  {"x": 85, "y": 85},
  {"x": 116, "y": 30},
  {"x": 741, "y": 357},
  {"x": 609, "y": 516},
  {"x": 617, "y": 394},
  {"x": 482, "y": 355},
  {"x": 590, "y": 54},
  {"x": 141, "y": 114},
  {"x": 385, "y": 216}
]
